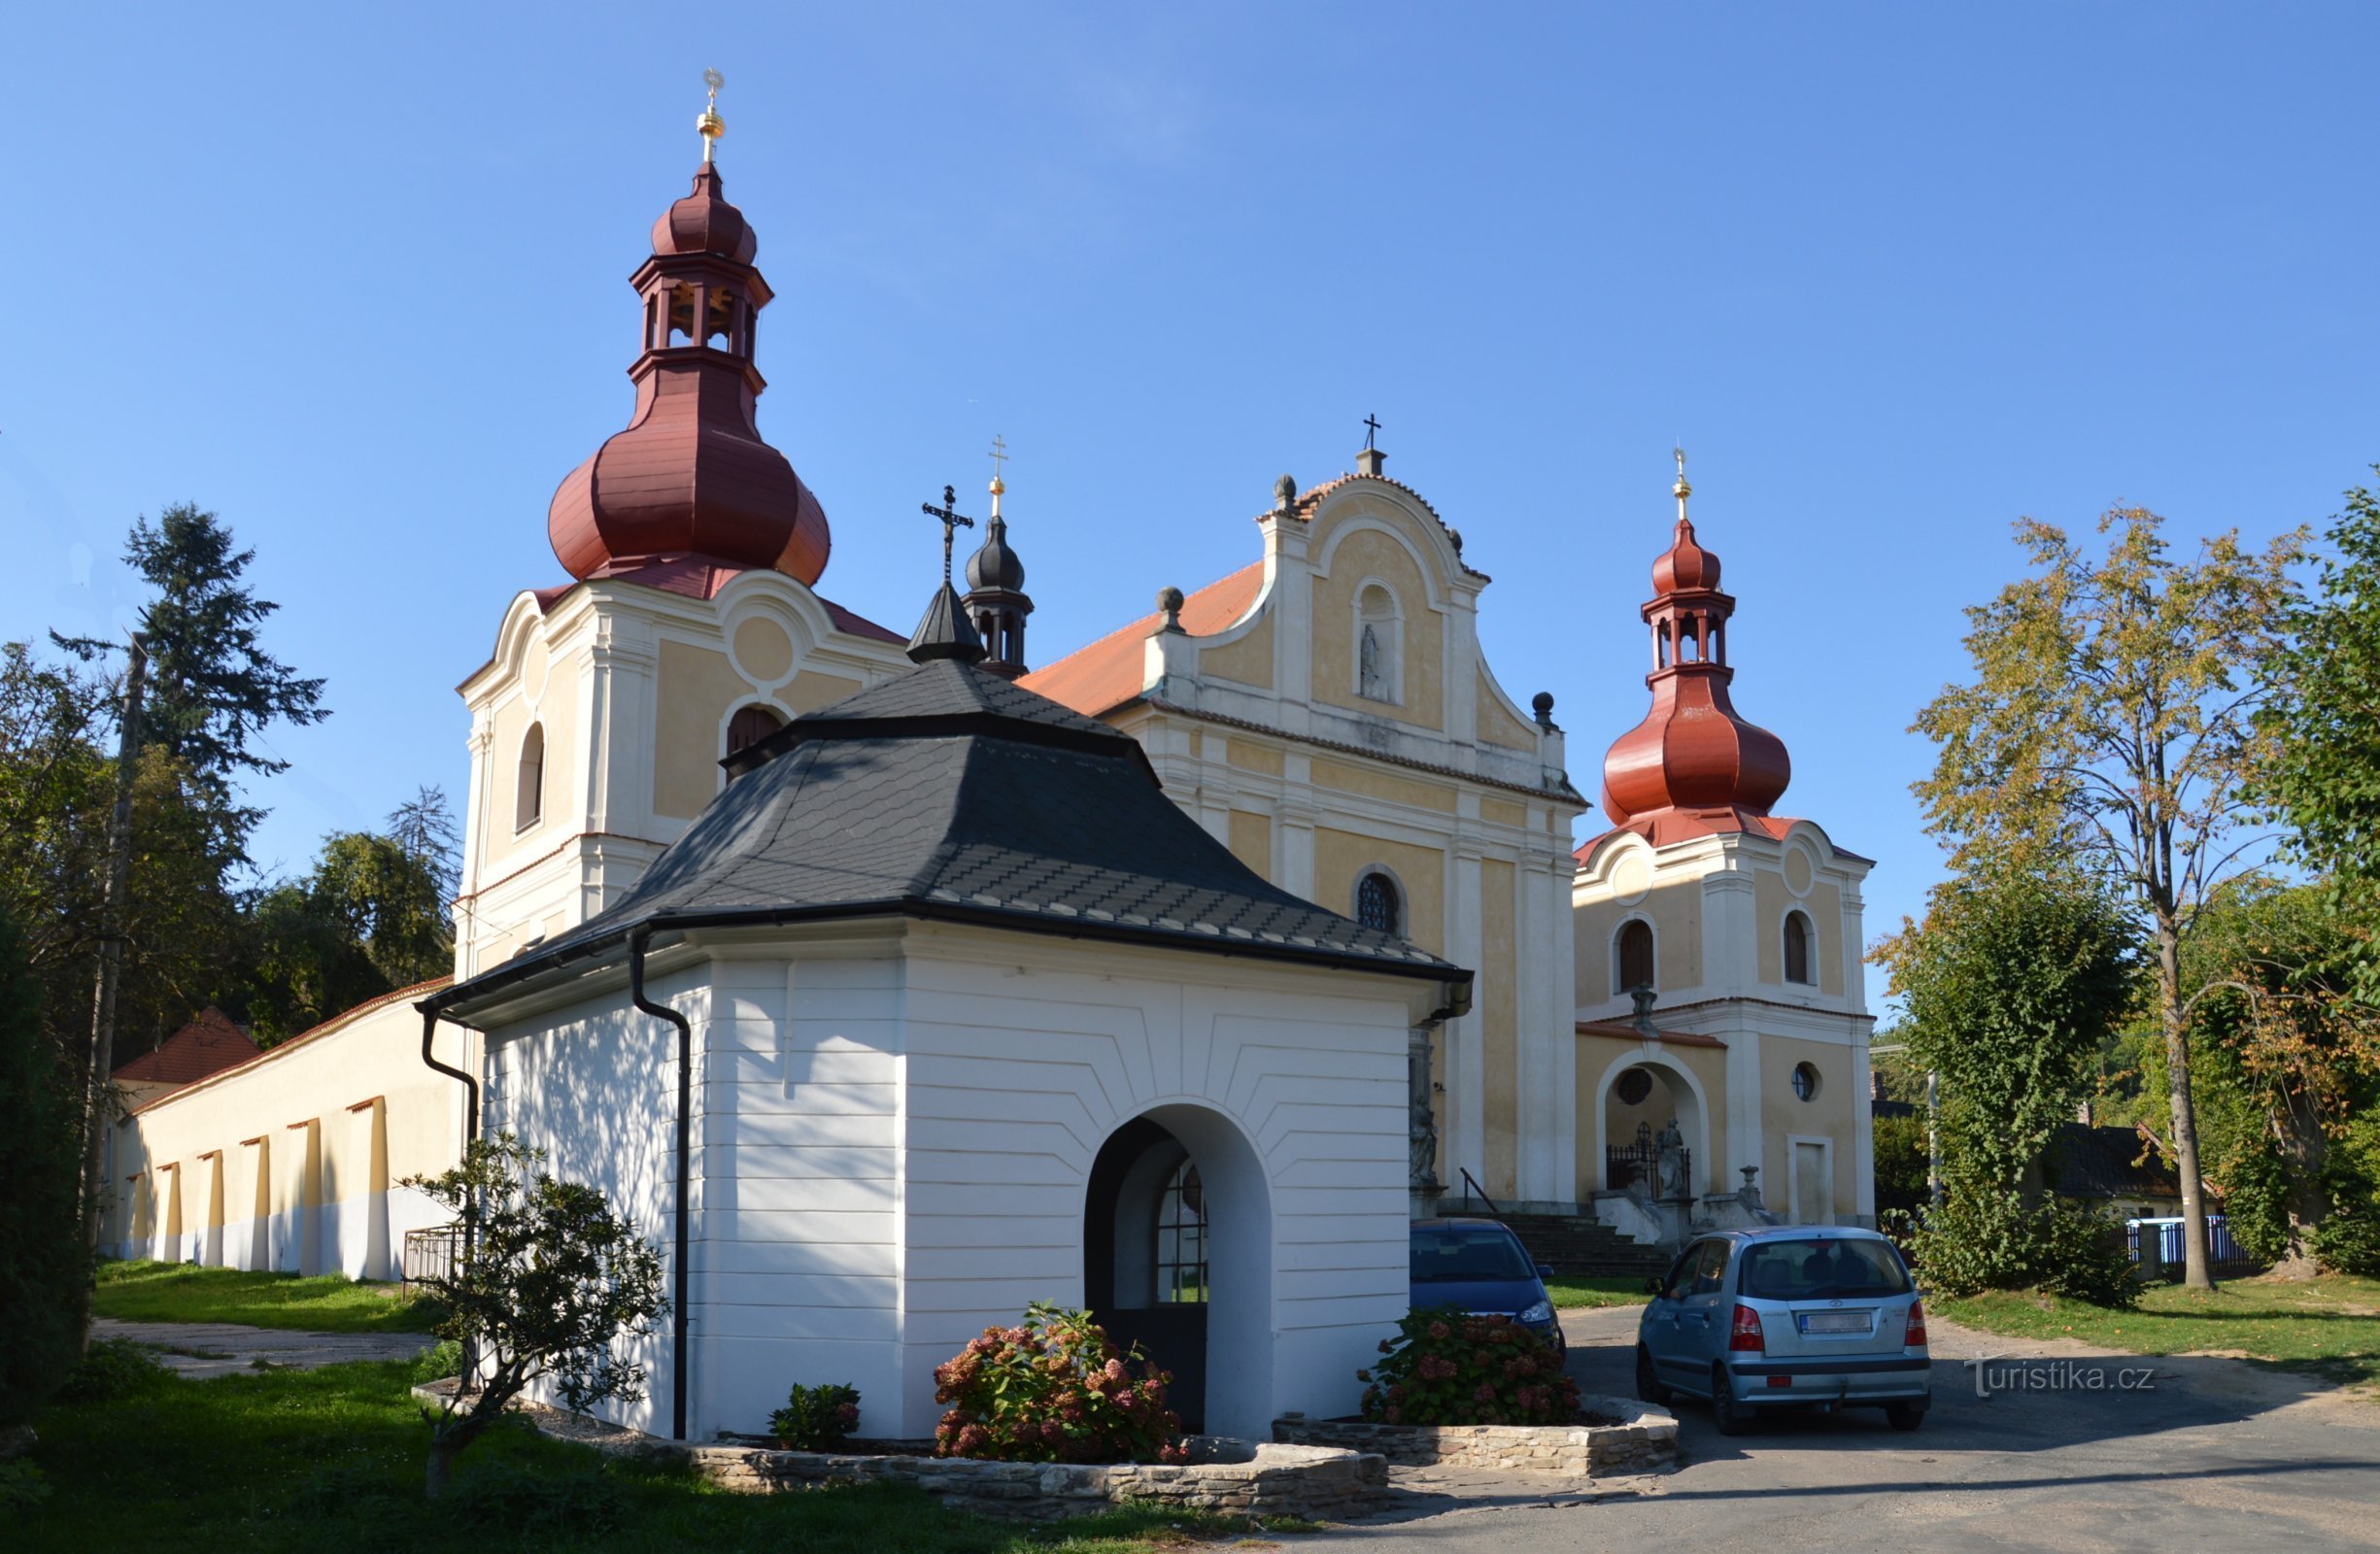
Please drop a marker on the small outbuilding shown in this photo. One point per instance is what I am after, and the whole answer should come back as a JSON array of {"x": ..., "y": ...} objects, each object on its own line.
[{"x": 943, "y": 1006}]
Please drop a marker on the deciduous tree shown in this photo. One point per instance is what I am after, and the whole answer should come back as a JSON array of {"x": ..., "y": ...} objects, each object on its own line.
[{"x": 2112, "y": 719}]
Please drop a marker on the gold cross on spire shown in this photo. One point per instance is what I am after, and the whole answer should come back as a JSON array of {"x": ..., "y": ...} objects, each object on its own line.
[
  {"x": 708, "y": 124},
  {"x": 1000, "y": 456},
  {"x": 1681, "y": 490}
]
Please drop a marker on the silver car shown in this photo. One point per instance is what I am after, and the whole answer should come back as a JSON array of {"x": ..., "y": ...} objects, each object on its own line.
[{"x": 1807, "y": 1315}]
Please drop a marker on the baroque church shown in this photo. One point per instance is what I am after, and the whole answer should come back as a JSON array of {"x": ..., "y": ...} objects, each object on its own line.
[{"x": 893, "y": 981}]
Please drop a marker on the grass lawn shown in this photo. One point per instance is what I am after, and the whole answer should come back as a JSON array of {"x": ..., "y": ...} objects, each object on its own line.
[
  {"x": 2327, "y": 1327},
  {"x": 1571, "y": 1294},
  {"x": 331, "y": 1458},
  {"x": 330, "y": 1302}
]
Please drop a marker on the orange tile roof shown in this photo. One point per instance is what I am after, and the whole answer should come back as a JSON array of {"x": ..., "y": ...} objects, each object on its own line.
[
  {"x": 1107, "y": 673},
  {"x": 292, "y": 1044},
  {"x": 209, "y": 1044}
]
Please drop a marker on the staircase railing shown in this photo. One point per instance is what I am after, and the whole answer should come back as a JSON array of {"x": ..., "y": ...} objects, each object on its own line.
[{"x": 1471, "y": 1188}]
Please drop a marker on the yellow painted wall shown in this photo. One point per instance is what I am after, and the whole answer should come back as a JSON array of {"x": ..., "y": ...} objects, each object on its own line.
[
  {"x": 1252, "y": 841},
  {"x": 1827, "y": 1116},
  {"x": 694, "y": 688},
  {"x": 1676, "y": 913},
  {"x": 1503, "y": 813},
  {"x": 1769, "y": 900},
  {"x": 1371, "y": 783},
  {"x": 763, "y": 649},
  {"x": 1825, "y": 908},
  {"x": 810, "y": 690},
  {"x": 1500, "y": 1023},
  {"x": 1422, "y": 681},
  {"x": 1339, "y": 856},
  {"x": 1250, "y": 755},
  {"x": 1248, "y": 660},
  {"x": 1497, "y": 726}
]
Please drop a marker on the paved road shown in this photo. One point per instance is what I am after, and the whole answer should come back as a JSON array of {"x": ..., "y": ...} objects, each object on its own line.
[
  {"x": 225, "y": 1348},
  {"x": 2217, "y": 1455}
]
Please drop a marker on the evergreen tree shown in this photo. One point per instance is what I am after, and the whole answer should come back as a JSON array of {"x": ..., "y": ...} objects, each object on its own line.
[{"x": 45, "y": 1275}]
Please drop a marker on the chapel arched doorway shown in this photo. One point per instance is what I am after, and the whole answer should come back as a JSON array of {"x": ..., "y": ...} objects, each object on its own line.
[
  {"x": 1653, "y": 1134},
  {"x": 1177, "y": 1258}
]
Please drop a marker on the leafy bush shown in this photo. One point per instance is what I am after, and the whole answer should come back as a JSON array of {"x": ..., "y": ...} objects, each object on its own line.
[
  {"x": 112, "y": 1369},
  {"x": 1980, "y": 1239},
  {"x": 816, "y": 1418},
  {"x": 21, "y": 1485},
  {"x": 1449, "y": 1367},
  {"x": 1053, "y": 1388},
  {"x": 438, "y": 1362},
  {"x": 2256, "y": 1201},
  {"x": 2348, "y": 1239}
]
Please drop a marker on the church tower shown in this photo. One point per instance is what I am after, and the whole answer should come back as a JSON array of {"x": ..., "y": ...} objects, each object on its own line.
[
  {"x": 690, "y": 623},
  {"x": 1740, "y": 927},
  {"x": 995, "y": 599}
]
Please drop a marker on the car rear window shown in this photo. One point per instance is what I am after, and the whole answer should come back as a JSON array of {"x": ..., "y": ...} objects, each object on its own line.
[
  {"x": 1446, "y": 1254},
  {"x": 1821, "y": 1267}
]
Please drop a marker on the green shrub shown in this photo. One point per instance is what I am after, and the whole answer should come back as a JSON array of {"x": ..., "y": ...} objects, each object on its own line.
[
  {"x": 816, "y": 1418},
  {"x": 1053, "y": 1388},
  {"x": 21, "y": 1485},
  {"x": 1449, "y": 1367},
  {"x": 2256, "y": 1201},
  {"x": 2348, "y": 1239},
  {"x": 440, "y": 1361},
  {"x": 501, "y": 1501},
  {"x": 1981, "y": 1239},
  {"x": 112, "y": 1369}
]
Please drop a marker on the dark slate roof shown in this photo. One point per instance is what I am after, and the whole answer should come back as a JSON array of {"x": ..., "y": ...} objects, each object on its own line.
[
  {"x": 950, "y": 792},
  {"x": 2097, "y": 1163}
]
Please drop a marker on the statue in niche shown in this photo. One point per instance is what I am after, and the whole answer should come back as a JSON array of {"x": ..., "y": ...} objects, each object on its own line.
[
  {"x": 1370, "y": 681},
  {"x": 1669, "y": 1151}
]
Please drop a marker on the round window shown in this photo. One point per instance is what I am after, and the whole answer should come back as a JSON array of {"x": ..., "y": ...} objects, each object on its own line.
[
  {"x": 1805, "y": 1081},
  {"x": 1632, "y": 1087}
]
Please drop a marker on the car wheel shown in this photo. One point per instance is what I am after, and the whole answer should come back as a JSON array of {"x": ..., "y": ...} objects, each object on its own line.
[
  {"x": 1648, "y": 1388},
  {"x": 1733, "y": 1417},
  {"x": 1903, "y": 1415}
]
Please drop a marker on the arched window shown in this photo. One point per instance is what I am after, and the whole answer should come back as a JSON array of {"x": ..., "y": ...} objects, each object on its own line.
[
  {"x": 1632, "y": 956},
  {"x": 750, "y": 725},
  {"x": 1182, "y": 1239},
  {"x": 1380, "y": 646},
  {"x": 1377, "y": 905},
  {"x": 528, "y": 793},
  {"x": 1797, "y": 949}
]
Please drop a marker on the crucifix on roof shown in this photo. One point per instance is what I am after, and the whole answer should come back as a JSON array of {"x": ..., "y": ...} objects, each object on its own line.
[
  {"x": 1372, "y": 432},
  {"x": 952, "y": 520}
]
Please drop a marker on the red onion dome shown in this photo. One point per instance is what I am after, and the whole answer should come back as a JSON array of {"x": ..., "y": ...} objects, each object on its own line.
[{"x": 704, "y": 222}]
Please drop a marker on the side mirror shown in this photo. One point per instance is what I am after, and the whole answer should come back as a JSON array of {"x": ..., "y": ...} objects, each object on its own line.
[
  {"x": 1652, "y": 1285},
  {"x": 1544, "y": 1271}
]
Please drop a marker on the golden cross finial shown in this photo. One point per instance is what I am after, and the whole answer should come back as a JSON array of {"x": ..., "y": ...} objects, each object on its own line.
[
  {"x": 1681, "y": 490},
  {"x": 1000, "y": 456},
  {"x": 709, "y": 125}
]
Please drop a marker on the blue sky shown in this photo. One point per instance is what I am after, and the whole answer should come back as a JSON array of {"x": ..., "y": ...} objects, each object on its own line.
[{"x": 1895, "y": 275}]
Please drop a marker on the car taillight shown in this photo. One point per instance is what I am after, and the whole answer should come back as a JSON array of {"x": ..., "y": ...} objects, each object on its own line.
[
  {"x": 1744, "y": 1332},
  {"x": 1914, "y": 1336}
]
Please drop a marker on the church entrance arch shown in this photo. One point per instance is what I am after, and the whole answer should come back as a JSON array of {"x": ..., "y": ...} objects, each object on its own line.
[
  {"x": 1177, "y": 1258},
  {"x": 1638, "y": 1100}
]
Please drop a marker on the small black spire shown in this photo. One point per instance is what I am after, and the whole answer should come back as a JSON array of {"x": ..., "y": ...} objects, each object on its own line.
[
  {"x": 995, "y": 599},
  {"x": 944, "y": 632}
]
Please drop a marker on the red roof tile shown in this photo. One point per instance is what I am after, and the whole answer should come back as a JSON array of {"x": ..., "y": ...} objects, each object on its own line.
[
  {"x": 1108, "y": 673},
  {"x": 209, "y": 1044}
]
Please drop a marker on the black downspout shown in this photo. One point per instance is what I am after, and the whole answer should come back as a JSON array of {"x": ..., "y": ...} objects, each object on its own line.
[
  {"x": 637, "y": 940},
  {"x": 470, "y": 1135}
]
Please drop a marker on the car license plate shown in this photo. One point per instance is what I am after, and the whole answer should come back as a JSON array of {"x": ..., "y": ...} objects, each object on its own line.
[{"x": 1834, "y": 1321}]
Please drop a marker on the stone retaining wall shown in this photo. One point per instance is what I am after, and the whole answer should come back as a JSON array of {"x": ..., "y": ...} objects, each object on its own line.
[
  {"x": 1309, "y": 1480},
  {"x": 1647, "y": 1441}
]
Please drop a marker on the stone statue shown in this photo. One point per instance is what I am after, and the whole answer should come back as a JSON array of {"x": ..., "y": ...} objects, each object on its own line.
[
  {"x": 1421, "y": 1121},
  {"x": 1669, "y": 1151},
  {"x": 1368, "y": 667}
]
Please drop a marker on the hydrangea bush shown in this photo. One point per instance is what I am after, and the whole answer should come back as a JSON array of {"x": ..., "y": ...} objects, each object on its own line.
[
  {"x": 1449, "y": 1367},
  {"x": 816, "y": 1418},
  {"x": 1053, "y": 1388}
]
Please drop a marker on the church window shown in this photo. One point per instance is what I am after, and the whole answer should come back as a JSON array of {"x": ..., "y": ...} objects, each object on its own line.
[
  {"x": 1377, "y": 905},
  {"x": 1182, "y": 1239},
  {"x": 1379, "y": 645},
  {"x": 750, "y": 725},
  {"x": 1634, "y": 1085},
  {"x": 1632, "y": 953},
  {"x": 1805, "y": 1081},
  {"x": 1797, "y": 949},
  {"x": 528, "y": 797}
]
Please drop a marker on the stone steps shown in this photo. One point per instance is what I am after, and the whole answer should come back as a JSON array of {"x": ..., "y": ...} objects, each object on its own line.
[{"x": 1578, "y": 1246}]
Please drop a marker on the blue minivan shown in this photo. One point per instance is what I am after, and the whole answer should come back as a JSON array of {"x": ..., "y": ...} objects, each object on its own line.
[{"x": 1478, "y": 1266}]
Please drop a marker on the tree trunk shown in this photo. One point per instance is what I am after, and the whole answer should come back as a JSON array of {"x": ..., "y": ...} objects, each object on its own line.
[
  {"x": 2303, "y": 1151},
  {"x": 439, "y": 1471},
  {"x": 101, "y": 1096},
  {"x": 2198, "y": 1270}
]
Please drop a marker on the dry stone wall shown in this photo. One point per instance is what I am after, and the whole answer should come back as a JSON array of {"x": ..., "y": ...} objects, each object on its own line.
[{"x": 1647, "y": 1441}]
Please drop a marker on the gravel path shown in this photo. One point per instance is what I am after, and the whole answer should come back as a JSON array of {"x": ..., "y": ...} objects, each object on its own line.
[{"x": 203, "y": 1349}]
